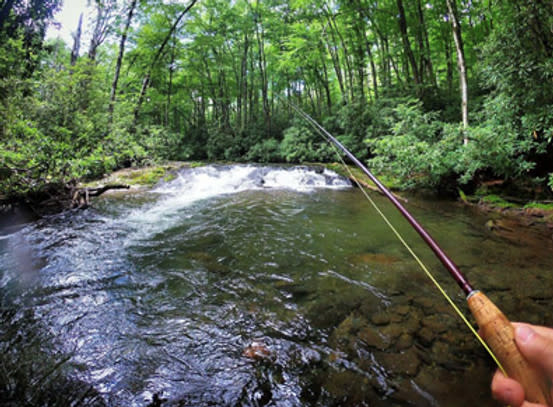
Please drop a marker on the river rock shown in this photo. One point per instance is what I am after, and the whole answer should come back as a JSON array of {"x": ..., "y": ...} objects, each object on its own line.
[
  {"x": 373, "y": 258},
  {"x": 425, "y": 336},
  {"x": 381, "y": 318},
  {"x": 411, "y": 325},
  {"x": 401, "y": 310},
  {"x": 374, "y": 339},
  {"x": 403, "y": 363},
  {"x": 405, "y": 341},
  {"x": 406, "y": 394},
  {"x": 436, "y": 323},
  {"x": 257, "y": 350},
  {"x": 349, "y": 388},
  {"x": 441, "y": 352},
  {"x": 393, "y": 331},
  {"x": 345, "y": 335},
  {"x": 426, "y": 304}
]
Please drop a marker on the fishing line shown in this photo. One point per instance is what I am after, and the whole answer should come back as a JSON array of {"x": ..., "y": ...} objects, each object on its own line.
[{"x": 321, "y": 131}]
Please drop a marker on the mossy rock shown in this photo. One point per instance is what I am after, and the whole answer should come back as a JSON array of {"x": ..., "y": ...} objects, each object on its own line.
[
  {"x": 497, "y": 201},
  {"x": 145, "y": 176}
]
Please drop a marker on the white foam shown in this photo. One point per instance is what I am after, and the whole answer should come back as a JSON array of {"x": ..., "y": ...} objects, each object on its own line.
[{"x": 193, "y": 185}]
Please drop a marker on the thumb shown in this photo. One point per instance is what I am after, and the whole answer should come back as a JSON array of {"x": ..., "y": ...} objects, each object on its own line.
[{"x": 537, "y": 349}]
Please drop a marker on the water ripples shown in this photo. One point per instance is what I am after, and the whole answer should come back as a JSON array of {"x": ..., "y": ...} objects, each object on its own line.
[{"x": 162, "y": 294}]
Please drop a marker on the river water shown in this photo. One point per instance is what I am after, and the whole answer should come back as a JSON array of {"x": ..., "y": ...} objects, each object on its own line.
[{"x": 253, "y": 286}]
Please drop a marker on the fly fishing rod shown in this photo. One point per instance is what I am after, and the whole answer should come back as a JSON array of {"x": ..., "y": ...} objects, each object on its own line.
[{"x": 494, "y": 326}]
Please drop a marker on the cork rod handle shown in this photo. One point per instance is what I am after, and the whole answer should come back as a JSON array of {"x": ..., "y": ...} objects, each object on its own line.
[{"x": 498, "y": 332}]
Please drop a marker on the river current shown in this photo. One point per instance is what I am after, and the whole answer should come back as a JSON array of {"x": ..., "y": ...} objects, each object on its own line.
[{"x": 254, "y": 286}]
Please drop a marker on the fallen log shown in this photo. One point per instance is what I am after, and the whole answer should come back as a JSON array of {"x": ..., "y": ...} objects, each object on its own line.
[{"x": 81, "y": 196}]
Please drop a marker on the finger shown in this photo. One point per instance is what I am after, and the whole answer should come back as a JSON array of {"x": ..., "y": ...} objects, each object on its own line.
[
  {"x": 507, "y": 391},
  {"x": 538, "y": 349},
  {"x": 528, "y": 404},
  {"x": 542, "y": 330}
]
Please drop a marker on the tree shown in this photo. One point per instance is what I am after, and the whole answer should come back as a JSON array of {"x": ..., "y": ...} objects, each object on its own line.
[
  {"x": 102, "y": 23},
  {"x": 124, "y": 34},
  {"x": 461, "y": 65},
  {"x": 155, "y": 59},
  {"x": 77, "y": 41}
]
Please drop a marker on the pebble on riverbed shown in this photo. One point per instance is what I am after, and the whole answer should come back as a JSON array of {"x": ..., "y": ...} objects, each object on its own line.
[{"x": 257, "y": 350}]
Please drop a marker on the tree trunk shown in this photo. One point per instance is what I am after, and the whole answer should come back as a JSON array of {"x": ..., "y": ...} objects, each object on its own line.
[
  {"x": 262, "y": 65},
  {"x": 77, "y": 41},
  {"x": 447, "y": 44},
  {"x": 428, "y": 66},
  {"x": 406, "y": 43},
  {"x": 120, "y": 60},
  {"x": 336, "y": 33},
  {"x": 336, "y": 63},
  {"x": 155, "y": 59},
  {"x": 243, "y": 99},
  {"x": 326, "y": 80},
  {"x": 103, "y": 17},
  {"x": 458, "y": 39},
  {"x": 170, "y": 87}
]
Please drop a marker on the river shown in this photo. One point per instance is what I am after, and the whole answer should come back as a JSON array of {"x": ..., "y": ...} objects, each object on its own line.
[{"x": 252, "y": 286}]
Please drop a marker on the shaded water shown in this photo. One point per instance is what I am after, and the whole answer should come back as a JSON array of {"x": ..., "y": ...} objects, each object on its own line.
[{"x": 254, "y": 286}]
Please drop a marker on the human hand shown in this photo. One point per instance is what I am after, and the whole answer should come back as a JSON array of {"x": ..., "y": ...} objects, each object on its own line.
[{"x": 536, "y": 345}]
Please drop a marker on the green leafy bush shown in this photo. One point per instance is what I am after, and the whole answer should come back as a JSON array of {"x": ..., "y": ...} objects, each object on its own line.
[
  {"x": 267, "y": 151},
  {"x": 300, "y": 144}
]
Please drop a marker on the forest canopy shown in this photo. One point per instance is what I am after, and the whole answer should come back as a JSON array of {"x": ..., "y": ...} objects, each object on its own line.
[{"x": 437, "y": 93}]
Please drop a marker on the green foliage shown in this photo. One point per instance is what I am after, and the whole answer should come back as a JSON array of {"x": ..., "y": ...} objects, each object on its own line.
[
  {"x": 222, "y": 144},
  {"x": 268, "y": 151},
  {"x": 423, "y": 150},
  {"x": 55, "y": 126},
  {"x": 497, "y": 201},
  {"x": 539, "y": 205},
  {"x": 215, "y": 89},
  {"x": 300, "y": 144}
]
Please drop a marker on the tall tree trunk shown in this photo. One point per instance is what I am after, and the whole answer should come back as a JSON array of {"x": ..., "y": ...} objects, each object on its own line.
[
  {"x": 170, "y": 87},
  {"x": 449, "y": 75},
  {"x": 325, "y": 79},
  {"x": 101, "y": 28},
  {"x": 154, "y": 61},
  {"x": 428, "y": 66},
  {"x": 407, "y": 44},
  {"x": 372, "y": 65},
  {"x": 120, "y": 60},
  {"x": 337, "y": 34},
  {"x": 262, "y": 65},
  {"x": 336, "y": 63},
  {"x": 458, "y": 39},
  {"x": 360, "y": 59},
  {"x": 77, "y": 41},
  {"x": 244, "y": 84}
]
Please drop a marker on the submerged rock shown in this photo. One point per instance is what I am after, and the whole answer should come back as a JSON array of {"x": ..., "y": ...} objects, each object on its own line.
[
  {"x": 436, "y": 323},
  {"x": 425, "y": 336},
  {"x": 374, "y": 339},
  {"x": 257, "y": 350},
  {"x": 375, "y": 258},
  {"x": 402, "y": 363},
  {"x": 405, "y": 341},
  {"x": 381, "y": 318}
]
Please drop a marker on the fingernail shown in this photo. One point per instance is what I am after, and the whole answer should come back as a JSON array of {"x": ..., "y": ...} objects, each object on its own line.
[{"x": 524, "y": 334}]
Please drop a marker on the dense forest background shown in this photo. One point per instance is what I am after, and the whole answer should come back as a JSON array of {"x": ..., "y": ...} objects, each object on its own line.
[{"x": 438, "y": 93}]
